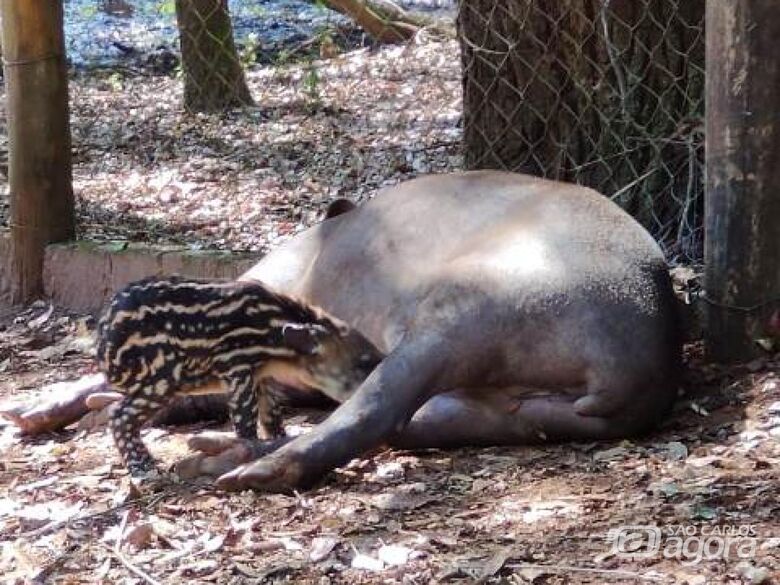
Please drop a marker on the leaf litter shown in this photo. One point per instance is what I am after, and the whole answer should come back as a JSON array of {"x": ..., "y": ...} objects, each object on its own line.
[
  {"x": 144, "y": 170},
  {"x": 519, "y": 515}
]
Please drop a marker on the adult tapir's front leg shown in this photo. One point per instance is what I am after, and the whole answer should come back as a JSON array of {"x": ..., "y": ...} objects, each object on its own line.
[{"x": 380, "y": 408}]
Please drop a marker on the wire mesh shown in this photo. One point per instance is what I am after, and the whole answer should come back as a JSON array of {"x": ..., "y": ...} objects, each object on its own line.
[
  {"x": 335, "y": 112},
  {"x": 303, "y": 105},
  {"x": 606, "y": 93}
]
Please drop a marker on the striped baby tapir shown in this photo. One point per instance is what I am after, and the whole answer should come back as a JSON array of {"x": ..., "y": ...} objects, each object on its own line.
[{"x": 163, "y": 337}]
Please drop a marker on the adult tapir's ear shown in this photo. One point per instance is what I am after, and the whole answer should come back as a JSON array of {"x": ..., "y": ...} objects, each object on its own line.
[
  {"x": 339, "y": 207},
  {"x": 302, "y": 337}
]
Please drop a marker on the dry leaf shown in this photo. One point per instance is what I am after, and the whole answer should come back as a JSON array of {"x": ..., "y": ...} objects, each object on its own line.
[
  {"x": 495, "y": 563},
  {"x": 394, "y": 554},
  {"x": 361, "y": 561},
  {"x": 41, "y": 319},
  {"x": 139, "y": 536},
  {"x": 321, "y": 547}
]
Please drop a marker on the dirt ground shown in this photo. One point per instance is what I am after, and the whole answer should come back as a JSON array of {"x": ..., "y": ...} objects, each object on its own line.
[
  {"x": 146, "y": 171},
  {"x": 707, "y": 478}
]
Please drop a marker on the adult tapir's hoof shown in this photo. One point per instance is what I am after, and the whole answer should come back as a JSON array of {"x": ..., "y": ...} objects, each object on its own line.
[
  {"x": 221, "y": 453},
  {"x": 278, "y": 472}
]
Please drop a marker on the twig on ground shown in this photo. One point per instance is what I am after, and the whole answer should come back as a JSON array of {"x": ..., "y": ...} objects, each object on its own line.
[
  {"x": 122, "y": 526},
  {"x": 130, "y": 566}
]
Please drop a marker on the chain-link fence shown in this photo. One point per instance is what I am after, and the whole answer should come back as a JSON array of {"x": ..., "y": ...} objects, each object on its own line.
[
  {"x": 607, "y": 93},
  {"x": 211, "y": 64},
  {"x": 337, "y": 113}
]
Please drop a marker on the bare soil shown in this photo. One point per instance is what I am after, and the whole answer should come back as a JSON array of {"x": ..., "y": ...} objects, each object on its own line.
[{"x": 492, "y": 515}]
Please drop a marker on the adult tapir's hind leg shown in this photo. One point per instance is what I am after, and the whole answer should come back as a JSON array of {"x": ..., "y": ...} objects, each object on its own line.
[
  {"x": 457, "y": 419},
  {"x": 610, "y": 405},
  {"x": 380, "y": 408}
]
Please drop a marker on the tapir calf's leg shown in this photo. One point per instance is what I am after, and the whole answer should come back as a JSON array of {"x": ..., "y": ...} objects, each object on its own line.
[{"x": 380, "y": 408}]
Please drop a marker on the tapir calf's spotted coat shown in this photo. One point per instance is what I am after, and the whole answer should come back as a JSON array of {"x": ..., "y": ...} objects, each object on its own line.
[{"x": 162, "y": 337}]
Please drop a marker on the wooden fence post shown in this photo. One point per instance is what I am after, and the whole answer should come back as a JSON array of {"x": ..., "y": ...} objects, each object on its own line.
[
  {"x": 39, "y": 166},
  {"x": 742, "y": 218}
]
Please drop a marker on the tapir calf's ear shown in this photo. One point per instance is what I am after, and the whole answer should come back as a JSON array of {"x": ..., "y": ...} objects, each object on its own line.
[{"x": 301, "y": 337}]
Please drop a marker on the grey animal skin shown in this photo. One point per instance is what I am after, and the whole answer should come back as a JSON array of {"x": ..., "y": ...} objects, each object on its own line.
[{"x": 512, "y": 309}]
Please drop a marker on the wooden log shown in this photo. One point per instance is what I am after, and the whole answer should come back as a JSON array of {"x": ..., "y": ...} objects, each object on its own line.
[
  {"x": 385, "y": 21},
  {"x": 742, "y": 249},
  {"x": 39, "y": 165}
]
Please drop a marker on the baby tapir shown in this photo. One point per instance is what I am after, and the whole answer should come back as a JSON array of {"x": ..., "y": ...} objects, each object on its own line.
[{"x": 162, "y": 337}]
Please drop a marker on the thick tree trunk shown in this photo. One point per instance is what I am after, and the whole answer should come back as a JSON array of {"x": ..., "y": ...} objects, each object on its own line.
[
  {"x": 742, "y": 279},
  {"x": 213, "y": 77},
  {"x": 39, "y": 166},
  {"x": 607, "y": 94}
]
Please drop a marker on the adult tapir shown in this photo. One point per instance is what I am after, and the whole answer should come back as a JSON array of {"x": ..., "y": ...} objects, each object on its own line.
[{"x": 512, "y": 310}]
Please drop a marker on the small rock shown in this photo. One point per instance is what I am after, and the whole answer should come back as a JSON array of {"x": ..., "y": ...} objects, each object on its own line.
[
  {"x": 321, "y": 547},
  {"x": 704, "y": 513},
  {"x": 398, "y": 500},
  {"x": 676, "y": 451},
  {"x": 389, "y": 471},
  {"x": 667, "y": 489},
  {"x": 610, "y": 454}
]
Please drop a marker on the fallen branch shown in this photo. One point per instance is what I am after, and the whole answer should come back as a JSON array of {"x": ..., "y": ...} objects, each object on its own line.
[
  {"x": 623, "y": 574},
  {"x": 385, "y": 21},
  {"x": 65, "y": 403}
]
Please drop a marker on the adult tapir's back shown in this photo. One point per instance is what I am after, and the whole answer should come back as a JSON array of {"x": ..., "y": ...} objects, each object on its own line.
[{"x": 436, "y": 247}]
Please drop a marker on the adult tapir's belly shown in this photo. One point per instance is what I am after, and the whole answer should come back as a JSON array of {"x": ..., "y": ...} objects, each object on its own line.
[{"x": 451, "y": 244}]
